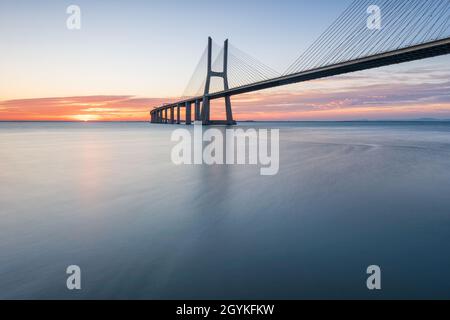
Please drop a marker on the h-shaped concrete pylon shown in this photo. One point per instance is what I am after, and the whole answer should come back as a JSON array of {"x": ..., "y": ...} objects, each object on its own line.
[{"x": 224, "y": 75}]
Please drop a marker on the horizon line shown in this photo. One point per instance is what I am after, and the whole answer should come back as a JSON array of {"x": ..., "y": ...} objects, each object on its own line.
[{"x": 242, "y": 121}]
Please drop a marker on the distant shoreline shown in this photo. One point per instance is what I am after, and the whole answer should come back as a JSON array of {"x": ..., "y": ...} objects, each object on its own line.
[{"x": 246, "y": 121}]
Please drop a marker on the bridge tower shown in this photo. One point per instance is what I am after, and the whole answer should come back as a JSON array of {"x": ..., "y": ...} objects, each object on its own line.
[{"x": 224, "y": 75}]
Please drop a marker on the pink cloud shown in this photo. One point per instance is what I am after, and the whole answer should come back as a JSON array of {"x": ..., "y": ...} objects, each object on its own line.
[{"x": 343, "y": 98}]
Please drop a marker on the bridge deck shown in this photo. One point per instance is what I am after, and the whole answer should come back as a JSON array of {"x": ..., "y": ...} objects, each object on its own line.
[{"x": 428, "y": 50}]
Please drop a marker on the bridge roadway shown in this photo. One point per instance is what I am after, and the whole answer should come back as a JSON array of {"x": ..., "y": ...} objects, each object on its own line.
[{"x": 418, "y": 52}]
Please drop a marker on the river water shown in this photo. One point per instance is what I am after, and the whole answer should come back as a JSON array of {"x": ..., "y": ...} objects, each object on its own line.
[{"x": 107, "y": 197}]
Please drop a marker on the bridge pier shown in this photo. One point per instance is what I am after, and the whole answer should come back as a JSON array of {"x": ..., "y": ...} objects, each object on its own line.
[
  {"x": 188, "y": 106},
  {"x": 178, "y": 114},
  {"x": 165, "y": 116},
  {"x": 206, "y": 111},
  {"x": 197, "y": 111},
  {"x": 172, "y": 115}
]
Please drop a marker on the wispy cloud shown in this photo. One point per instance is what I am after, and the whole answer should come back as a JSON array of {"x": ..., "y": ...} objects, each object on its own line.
[
  {"x": 423, "y": 91},
  {"x": 420, "y": 92},
  {"x": 107, "y": 108}
]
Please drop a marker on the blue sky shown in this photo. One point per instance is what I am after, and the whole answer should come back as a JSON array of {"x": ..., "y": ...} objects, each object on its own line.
[
  {"x": 132, "y": 55},
  {"x": 144, "y": 47}
]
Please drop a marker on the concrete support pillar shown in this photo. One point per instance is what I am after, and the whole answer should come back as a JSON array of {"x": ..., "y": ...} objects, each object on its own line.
[
  {"x": 228, "y": 110},
  {"x": 197, "y": 111},
  {"x": 205, "y": 108},
  {"x": 172, "y": 114},
  {"x": 165, "y": 115},
  {"x": 178, "y": 114},
  {"x": 188, "y": 113},
  {"x": 205, "y": 111}
]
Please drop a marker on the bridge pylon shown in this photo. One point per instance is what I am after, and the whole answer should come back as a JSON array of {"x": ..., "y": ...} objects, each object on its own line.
[{"x": 205, "y": 115}]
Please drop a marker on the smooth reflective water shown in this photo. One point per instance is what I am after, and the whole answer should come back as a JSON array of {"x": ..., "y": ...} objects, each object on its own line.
[{"x": 107, "y": 197}]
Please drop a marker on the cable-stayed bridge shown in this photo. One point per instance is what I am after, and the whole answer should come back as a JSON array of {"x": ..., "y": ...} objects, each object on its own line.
[{"x": 368, "y": 34}]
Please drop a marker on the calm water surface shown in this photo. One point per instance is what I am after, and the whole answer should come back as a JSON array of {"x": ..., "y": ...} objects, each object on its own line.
[{"x": 107, "y": 197}]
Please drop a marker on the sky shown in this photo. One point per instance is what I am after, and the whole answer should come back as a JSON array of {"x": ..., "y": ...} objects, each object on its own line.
[{"x": 132, "y": 55}]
